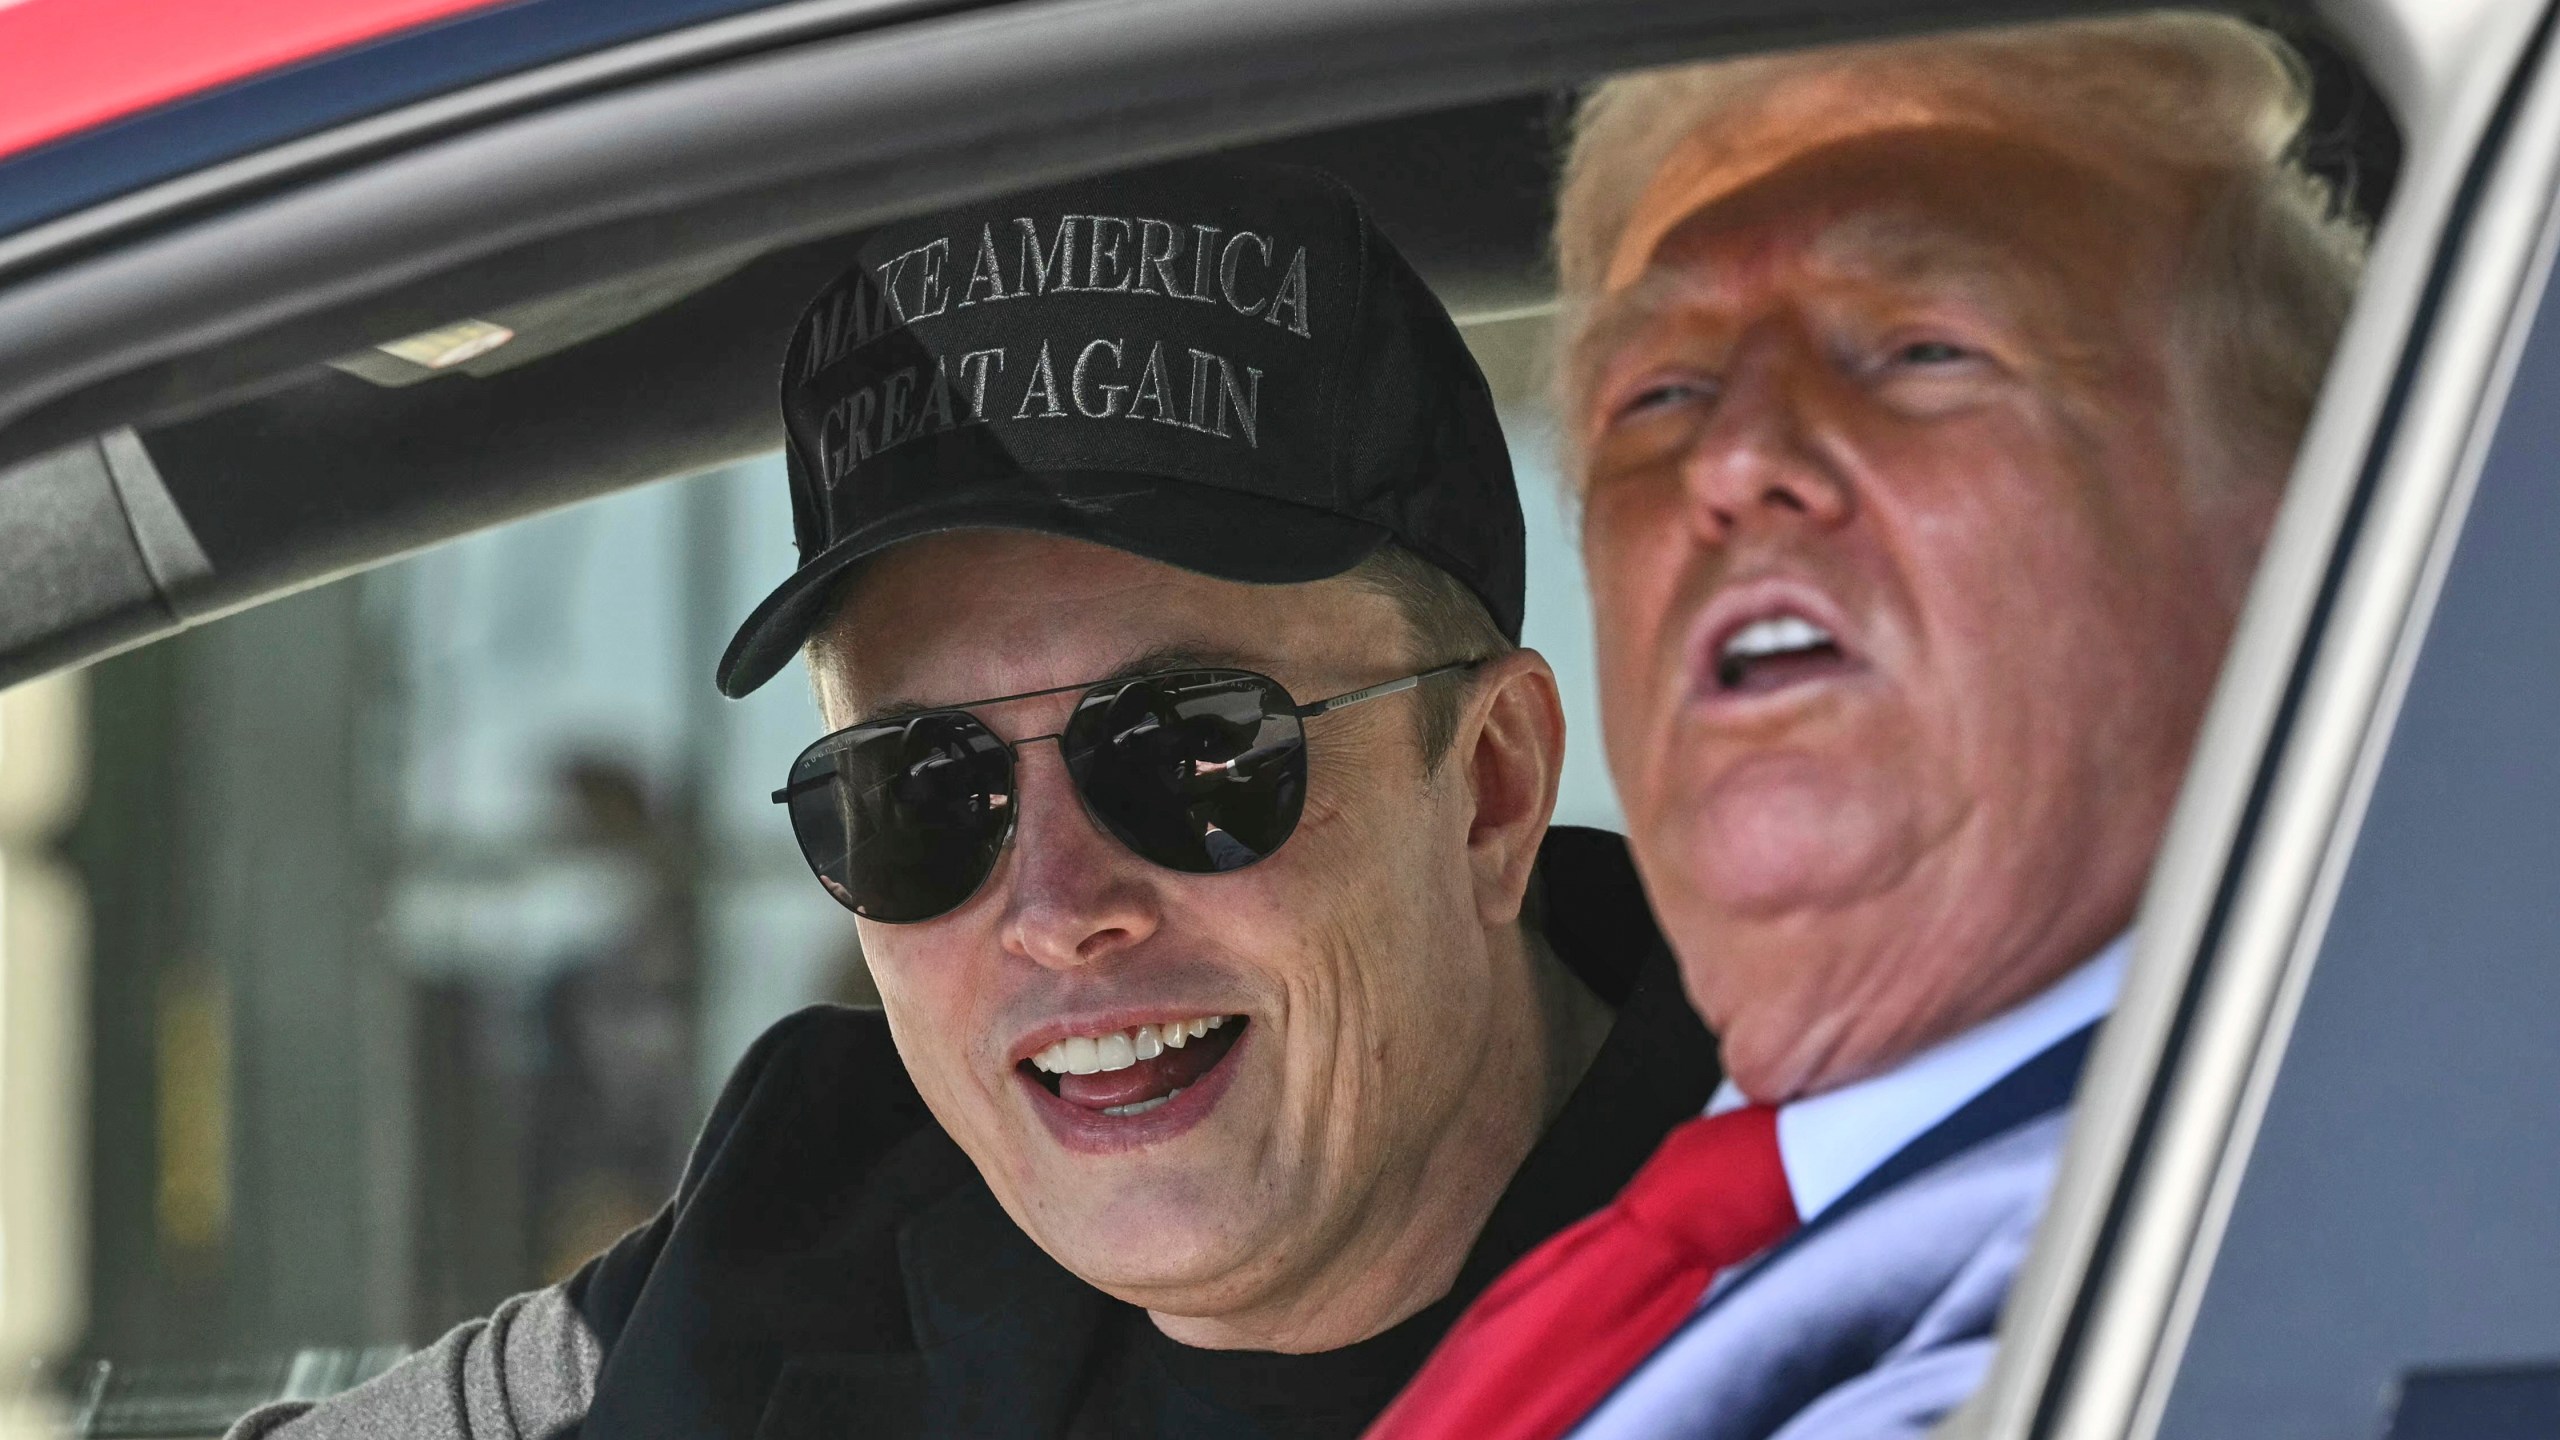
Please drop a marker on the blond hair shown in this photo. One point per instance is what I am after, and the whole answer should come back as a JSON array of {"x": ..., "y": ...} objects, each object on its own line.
[{"x": 2270, "y": 268}]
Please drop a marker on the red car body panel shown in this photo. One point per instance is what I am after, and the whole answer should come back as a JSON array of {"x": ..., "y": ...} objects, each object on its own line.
[{"x": 72, "y": 65}]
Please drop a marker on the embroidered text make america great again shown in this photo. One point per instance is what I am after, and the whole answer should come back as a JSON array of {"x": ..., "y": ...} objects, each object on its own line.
[{"x": 1095, "y": 378}]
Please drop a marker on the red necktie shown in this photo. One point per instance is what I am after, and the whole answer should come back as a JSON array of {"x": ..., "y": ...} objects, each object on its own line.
[{"x": 1551, "y": 1337}]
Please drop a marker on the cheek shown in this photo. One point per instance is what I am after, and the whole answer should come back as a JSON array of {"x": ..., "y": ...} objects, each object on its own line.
[
  {"x": 927, "y": 992},
  {"x": 1373, "y": 896},
  {"x": 1366, "y": 873},
  {"x": 1629, "y": 524},
  {"x": 2028, "y": 602},
  {"x": 1638, "y": 556}
]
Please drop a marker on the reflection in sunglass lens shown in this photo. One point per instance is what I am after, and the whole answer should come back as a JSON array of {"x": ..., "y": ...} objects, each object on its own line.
[
  {"x": 1199, "y": 772},
  {"x": 903, "y": 819}
]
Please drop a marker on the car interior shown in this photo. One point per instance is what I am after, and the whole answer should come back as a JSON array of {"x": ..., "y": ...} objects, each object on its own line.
[{"x": 467, "y": 313}]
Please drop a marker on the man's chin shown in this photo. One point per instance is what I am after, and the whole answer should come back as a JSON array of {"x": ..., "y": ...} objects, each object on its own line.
[
  {"x": 1773, "y": 1057},
  {"x": 1759, "y": 848},
  {"x": 1157, "y": 1250},
  {"x": 1143, "y": 1204}
]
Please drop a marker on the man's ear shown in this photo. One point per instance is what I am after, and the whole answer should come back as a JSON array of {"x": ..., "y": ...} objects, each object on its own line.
[{"x": 1509, "y": 750}]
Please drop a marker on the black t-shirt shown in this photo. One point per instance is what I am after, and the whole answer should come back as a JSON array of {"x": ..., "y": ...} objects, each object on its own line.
[
  {"x": 832, "y": 1264},
  {"x": 1145, "y": 1384}
]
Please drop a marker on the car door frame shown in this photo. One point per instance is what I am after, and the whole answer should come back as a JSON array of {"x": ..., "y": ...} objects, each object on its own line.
[{"x": 288, "y": 245}]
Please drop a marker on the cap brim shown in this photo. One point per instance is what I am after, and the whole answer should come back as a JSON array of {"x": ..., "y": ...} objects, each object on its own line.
[{"x": 1221, "y": 533}]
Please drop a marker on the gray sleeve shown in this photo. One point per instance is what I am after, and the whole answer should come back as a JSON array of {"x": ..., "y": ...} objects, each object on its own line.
[
  {"x": 1900, "y": 1400},
  {"x": 528, "y": 1372}
]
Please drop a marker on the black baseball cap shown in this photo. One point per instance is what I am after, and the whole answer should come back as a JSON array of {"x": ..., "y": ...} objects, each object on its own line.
[{"x": 1217, "y": 364}]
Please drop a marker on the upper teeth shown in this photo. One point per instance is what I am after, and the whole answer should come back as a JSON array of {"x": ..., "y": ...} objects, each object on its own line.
[
  {"x": 1775, "y": 636},
  {"x": 1092, "y": 1054}
]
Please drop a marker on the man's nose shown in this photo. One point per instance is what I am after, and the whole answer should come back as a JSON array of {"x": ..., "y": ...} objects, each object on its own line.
[
  {"x": 1076, "y": 896},
  {"x": 1766, "y": 453}
]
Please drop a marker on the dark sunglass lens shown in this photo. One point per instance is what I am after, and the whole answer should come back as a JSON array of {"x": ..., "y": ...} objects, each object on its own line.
[
  {"x": 903, "y": 820},
  {"x": 1199, "y": 772}
]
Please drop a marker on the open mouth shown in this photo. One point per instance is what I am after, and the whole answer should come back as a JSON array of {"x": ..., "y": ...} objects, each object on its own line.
[
  {"x": 1127, "y": 1073},
  {"x": 1774, "y": 652}
]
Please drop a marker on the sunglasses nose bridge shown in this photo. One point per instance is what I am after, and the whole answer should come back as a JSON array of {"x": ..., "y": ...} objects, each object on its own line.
[
  {"x": 1016, "y": 750},
  {"x": 1053, "y": 827}
]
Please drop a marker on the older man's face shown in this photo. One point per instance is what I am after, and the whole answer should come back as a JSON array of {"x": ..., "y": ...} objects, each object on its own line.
[
  {"x": 1347, "y": 973},
  {"x": 1908, "y": 597}
]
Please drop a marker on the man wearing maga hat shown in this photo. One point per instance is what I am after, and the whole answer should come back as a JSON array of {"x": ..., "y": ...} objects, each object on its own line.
[{"x": 1162, "y": 570}]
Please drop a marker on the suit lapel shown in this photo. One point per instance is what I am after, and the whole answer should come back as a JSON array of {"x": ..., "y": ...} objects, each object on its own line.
[
  {"x": 2039, "y": 1087},
  {"x": 2035, "y": 1089}
]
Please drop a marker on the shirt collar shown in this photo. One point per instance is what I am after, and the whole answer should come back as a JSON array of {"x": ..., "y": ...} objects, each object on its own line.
[{"x": 1828, "y": 1142}]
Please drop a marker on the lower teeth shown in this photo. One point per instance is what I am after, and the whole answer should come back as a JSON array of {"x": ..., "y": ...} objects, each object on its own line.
[{"x": 1143, "y": 1106}]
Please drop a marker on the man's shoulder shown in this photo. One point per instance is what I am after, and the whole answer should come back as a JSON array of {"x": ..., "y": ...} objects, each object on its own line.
[
  {"x": 1941, "y": 1251},
  {"x": 1873, "y": 1324},
  {"x": 1654, "y": 1070},
  {"x": 821, "y": 1035},
  {"x": 819, "y": 1103},
  {"x": 815, "y": 1156},
  {"x": 1593, "y": 910},
  {"x": 782, "y": 1239},
  {"x": 829, "y": 1248},
  {"x": 1948, "y": 1234}
]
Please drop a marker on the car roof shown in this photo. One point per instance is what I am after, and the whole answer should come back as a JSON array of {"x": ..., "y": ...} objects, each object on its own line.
[
  {"x": 99, "y": 98},
  {"x": 647, "y": 218}
]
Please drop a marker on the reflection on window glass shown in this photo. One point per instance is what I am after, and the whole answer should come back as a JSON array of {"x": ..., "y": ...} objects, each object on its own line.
[{"x": 432, "y": 907}]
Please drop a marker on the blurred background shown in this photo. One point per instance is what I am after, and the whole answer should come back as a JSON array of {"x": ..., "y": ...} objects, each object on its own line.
[{"x": 405, "y": 929}]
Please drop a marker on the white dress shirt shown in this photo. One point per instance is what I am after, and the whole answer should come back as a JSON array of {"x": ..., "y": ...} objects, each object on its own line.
[{"x": 1829, "y": 1142}]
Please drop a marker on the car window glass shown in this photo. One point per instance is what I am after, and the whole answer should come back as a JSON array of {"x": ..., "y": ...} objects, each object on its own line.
[
  {"x": 430, "y": 908},
  {"x": 2392, "y": 1245}
]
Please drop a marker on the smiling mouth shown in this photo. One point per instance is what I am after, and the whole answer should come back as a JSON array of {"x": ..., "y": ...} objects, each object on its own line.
[
  {"x": 1774, "y": 652},
  {"x": 1127, "y": 1073}
]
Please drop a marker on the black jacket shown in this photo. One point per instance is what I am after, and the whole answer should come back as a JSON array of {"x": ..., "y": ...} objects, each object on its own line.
[{"x": 832, "y": 1265}]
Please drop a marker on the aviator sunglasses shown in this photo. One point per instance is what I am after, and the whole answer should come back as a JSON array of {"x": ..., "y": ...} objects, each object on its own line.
[{"x": 1203, "y": 771}]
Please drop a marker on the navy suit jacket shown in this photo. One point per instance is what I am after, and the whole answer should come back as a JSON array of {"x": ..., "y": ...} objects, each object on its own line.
[{"x": 1875, "y": 1320}]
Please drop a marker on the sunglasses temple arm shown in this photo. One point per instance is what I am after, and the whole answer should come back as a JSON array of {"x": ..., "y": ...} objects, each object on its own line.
[
  {"x": 801, "y": 787},
  {"x": 1374, "y": 692}
]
